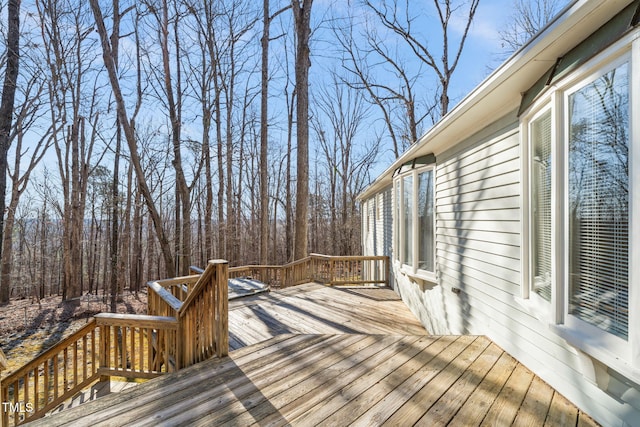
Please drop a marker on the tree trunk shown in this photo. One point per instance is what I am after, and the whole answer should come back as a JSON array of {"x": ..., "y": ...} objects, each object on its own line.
[
  {"x": 6, "y": 113},
  {"x": 115, "y": 274},
  {"x": 302, "y": 18},
  {"x": 264, "y": 134}
]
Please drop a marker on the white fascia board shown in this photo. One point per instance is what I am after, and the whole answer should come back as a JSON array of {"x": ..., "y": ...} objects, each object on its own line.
[{"x": 500, "y": 93}]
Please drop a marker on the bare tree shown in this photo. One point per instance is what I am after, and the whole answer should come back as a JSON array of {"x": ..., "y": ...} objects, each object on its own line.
[
  {"x": 339, "y": 119},
  {"x": 264, "y": 133},
  {"x": 6, "y": 111},
  {"x": 74, "y": 98},
  {"x": 395, "y": 98},
  {"x": 129, "y": 132},
  {"x": 527, "y": 18},
  {"x": 398, "y": 17},
  {"x": 302, "y": 22},
  {"x": 172, "y": 95},
  {"x": 26, "y": 115},
  {"x": 264, "y": 130}
]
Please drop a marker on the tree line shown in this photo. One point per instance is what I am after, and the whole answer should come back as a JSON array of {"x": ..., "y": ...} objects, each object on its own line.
[{"x": 147, "y": 136}]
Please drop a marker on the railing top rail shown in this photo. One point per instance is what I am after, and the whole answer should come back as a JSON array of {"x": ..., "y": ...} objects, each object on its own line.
[
  {"x": 135, "y": 320},
  {"x": 200, "y": 284},
  {"x": 52, "y": 351},
  {"x": 3, "y": 361},
  {"x": 196, "y": 270},
  {"x": 351, "y": 257},
  {"x": 246, "y": 267},
  {"x": 192, "y": 278},
  {"x": 173, "y": 302}
]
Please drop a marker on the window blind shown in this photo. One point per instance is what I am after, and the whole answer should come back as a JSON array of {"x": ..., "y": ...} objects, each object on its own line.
[
  {"x": 396, "y": 223},
  {"x": 425, "y": 221},
  {"x": 599, "y": 202},
  {"x": 407, "y": 253},
  {"x": 541, "y": 205}
]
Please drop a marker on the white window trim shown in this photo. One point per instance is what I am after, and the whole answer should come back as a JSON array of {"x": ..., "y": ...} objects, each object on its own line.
[
  {"x": 622, "y": 355},
  {"x": 399, "y": 226},
  {"x": 634, "y": 202},
  {"x": 596, "y": 336}
]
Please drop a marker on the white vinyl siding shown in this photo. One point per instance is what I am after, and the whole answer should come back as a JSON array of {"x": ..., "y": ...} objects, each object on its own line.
[
  {"x": 487, "y": 259},
  {"x": 378, "y": 211},
  {"x": 478, "y": 216}
]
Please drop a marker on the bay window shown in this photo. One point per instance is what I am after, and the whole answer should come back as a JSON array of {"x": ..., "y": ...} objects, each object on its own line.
[
  {"x": 414, "y": 240},
  {"x": 578, "y": 160}
]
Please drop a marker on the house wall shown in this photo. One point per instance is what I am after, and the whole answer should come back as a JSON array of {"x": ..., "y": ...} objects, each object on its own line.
[
  {"x": 478, "y": 262},
  {"x": 377, "y": 224}
]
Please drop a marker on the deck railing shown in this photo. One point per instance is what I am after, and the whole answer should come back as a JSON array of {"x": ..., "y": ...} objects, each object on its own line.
[
  {"x": 187, "y": 322},
  {"x": 330, "y": 270},
  {"x": 52, "y": 377}
]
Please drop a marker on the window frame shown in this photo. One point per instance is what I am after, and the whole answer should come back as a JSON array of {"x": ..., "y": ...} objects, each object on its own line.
[
  {"x": 612, "y": 343},
  {"x": 528, "y": 269},
  {"x": 622, "y": 355},
  {"x": 411, "y": 268}
]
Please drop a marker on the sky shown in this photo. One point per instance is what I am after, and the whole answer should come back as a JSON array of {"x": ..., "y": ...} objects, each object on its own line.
[
  {"x": 481, "y": 54},
  {"x": 483, "y": 51},
  {"x": 479, "y": 58}
]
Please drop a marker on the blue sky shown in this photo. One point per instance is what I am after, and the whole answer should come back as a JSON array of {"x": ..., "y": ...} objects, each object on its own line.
[{"x": 481, "y": 54}]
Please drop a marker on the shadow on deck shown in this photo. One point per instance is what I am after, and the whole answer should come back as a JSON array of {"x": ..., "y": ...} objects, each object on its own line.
[{"x": 314, "y": 354}]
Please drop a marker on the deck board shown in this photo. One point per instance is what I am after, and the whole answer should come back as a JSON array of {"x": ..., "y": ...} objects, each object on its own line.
[{"x": 336, "y": 356}]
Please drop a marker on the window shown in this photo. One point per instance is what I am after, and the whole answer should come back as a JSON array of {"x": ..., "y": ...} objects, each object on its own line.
[
  {"x": 598, "y": 202},
  {"x": 414, "y": 239},
  {"x": 407, "y": 218},
  {"x": 426, "y": 222},
  {"x": 540, "y": 134},
  {"x": 578, "y": 148},
  {"x": 396, "y": 223}
]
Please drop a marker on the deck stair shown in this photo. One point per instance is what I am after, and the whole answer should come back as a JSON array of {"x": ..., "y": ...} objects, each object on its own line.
[{"x": 186, "y": 323}]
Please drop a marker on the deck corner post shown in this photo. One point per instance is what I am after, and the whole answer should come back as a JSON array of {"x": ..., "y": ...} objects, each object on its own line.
[
  {"x": 104, "y": 350},
  {"x": 387, "y": 270},
  {"x": 4, "y": 397},
  {"x": 180, "y": 346},
  {"x": 221, "y": 278}
]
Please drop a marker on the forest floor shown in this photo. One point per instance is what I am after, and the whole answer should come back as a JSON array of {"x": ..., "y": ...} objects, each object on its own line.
[{"x": 29, "y": 327}]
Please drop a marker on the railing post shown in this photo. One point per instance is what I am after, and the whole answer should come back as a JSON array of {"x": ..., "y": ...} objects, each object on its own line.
[
  {"x": 332, "y": 270},
  {"x": 4, "y": 397},
  {"x": 387, "y": 277},
  {"x": 103, "y": 356},
  {"x": 221, "y": 278}
]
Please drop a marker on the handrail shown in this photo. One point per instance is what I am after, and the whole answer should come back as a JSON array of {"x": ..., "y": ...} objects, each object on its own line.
[
  {"x": 187, "y": 322},
  {"x": 3, "y": 361},
  {"x": 136, "y": 345},
  {"x": 174, "y": 334},
  {"x": 161, "y": 302},
  {"x": 52, "y": 377},
  {"x": 179, "y": 287},
  {"x": 202, "y": 338},
  {"x": 327, "y": 269}
]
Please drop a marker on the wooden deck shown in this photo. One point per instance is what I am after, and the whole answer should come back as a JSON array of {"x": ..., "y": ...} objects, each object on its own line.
[{"x": 315, "y": 355}]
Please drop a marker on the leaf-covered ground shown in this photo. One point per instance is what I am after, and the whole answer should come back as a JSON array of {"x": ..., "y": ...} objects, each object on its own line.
[{"x": 28, "y": 327}]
